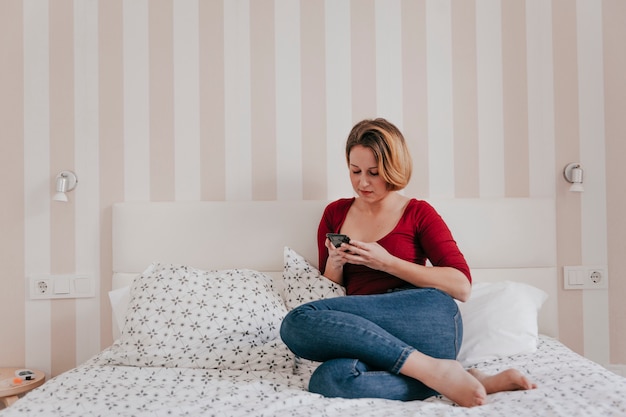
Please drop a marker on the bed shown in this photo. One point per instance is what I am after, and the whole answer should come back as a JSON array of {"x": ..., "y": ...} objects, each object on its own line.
[{"x": 199, "y": 290}]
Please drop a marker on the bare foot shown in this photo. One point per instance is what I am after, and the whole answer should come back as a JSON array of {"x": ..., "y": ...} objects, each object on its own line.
[
  {"x": 509, "y": 380},
  {"x": 447, "y": 377}
]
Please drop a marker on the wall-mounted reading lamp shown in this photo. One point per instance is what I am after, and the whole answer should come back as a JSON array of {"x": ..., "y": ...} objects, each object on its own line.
[
  {"x": 573, "y": 174},
  {"x": 65, "y": 181}
]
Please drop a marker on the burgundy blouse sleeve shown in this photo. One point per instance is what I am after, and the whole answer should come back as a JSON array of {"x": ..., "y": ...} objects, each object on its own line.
[
  {"x": 438, "y": 244},
  {"x": 322, "y": 252}
]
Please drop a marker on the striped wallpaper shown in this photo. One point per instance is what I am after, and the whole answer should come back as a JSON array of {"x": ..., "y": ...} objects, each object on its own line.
[{"x": 253, "y": 99}]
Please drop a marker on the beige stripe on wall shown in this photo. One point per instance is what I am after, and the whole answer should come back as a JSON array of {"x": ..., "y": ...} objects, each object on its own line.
[
  {"x": 12, "y": 352},
  {"x": 111, "y": 150},
  {"x": 62, "y": 236},
  {"x": 540, "y": 57},
  {"x": 415, "y": 94},
  {"x": 363, "y": 55},
  {"x": 465, "y": 99},
  {"x": 313, "y": 64},
  {"x": 568, "y": 212},
  {"x": 614, "y": 22},
  {"x": 263, "y": 100},
  {"x": 515, "y": 100},
  {"x": 212, "y": 114},
  {"x": 160, "y": 28}
]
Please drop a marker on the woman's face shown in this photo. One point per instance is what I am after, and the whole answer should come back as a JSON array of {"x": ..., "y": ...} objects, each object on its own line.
[{"x": 364, "y": 175}]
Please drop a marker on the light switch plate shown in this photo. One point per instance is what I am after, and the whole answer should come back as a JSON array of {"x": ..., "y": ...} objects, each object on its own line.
[
  {"x": 585, "y": 278},
  {"x": 47, "y": 287}
]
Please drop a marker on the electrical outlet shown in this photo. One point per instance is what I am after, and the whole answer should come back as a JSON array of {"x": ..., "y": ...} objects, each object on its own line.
[
  {"x": 42, "y": 286},
  {"x": 45, "y": 287},
  {"x": 596, "y": 277},
  {"x": 585, "y": 278}
]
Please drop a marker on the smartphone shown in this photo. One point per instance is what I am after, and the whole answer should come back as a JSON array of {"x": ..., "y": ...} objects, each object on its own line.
[{"x": 337, "y": 239}]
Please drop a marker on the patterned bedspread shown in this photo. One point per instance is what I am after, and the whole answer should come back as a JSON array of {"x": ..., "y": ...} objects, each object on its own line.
[{"x": 568, "y": 385}]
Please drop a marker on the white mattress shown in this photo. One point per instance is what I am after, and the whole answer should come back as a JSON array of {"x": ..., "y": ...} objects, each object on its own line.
[{"x": 568, "y": 385}]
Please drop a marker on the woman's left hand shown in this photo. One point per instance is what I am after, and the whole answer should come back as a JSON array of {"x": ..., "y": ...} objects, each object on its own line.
[
  {"x": 447, "y": 279},
  {"x": 370, "y": 254}
]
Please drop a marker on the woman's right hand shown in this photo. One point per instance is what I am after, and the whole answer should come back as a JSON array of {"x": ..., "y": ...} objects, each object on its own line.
[{"x": 335, "y": 262}]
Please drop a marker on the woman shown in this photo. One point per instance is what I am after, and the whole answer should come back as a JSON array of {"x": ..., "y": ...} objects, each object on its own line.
[{"x": 398, "y": 331}]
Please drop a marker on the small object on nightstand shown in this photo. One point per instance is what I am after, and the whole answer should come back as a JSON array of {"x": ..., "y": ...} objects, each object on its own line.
[
  {"x": 25, "y": 374},
  {"x": 15, "y": 382}
]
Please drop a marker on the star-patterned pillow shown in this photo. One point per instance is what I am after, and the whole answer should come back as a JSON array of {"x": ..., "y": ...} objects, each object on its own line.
[
  {"x": 179, "y": 316},
  {"x": 304, "y": 283}
]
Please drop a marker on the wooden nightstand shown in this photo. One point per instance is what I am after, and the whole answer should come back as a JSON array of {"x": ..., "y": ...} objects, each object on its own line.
[{"x": 10, "y": 391}]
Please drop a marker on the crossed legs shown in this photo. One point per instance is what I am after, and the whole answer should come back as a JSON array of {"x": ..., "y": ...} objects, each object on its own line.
[{"x": 404, "y": 346}]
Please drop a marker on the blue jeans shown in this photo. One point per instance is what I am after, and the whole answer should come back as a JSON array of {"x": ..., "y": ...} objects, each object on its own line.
[{"x": 363, "y": 341}]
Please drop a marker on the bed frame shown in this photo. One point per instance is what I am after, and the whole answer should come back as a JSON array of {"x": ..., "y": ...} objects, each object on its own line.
[{"x": 502, "y": 238}]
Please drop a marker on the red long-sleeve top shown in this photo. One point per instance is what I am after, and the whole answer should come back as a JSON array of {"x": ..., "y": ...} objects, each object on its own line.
[{"x": 420, "y": 234}]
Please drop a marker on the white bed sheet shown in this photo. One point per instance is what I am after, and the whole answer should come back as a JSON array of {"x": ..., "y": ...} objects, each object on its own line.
[{"x": 569, "y": 385}]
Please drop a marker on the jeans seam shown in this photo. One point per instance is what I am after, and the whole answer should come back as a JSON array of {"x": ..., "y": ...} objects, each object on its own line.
[{"x": 457, "y": 342}]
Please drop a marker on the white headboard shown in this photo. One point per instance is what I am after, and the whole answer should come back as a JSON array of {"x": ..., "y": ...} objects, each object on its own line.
[{"x": 501, "y": 238}]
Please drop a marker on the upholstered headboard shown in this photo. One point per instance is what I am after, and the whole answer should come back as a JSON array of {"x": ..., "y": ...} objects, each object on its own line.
[{"x": 502, "y": 238}]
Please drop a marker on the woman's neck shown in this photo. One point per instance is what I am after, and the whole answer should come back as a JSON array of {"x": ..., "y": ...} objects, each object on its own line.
[{"x": 390, "y": 202}]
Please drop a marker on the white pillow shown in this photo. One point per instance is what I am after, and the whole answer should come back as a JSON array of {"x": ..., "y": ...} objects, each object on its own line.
[
  {"x": 304, "y": 283},
  {"x": 119, "y": 299},
  {"x": 499, "y": 320},
  {"x": 179, "y": 316}
]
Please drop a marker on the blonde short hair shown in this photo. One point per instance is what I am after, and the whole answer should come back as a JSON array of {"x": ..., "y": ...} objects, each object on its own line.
[{"x": 389, "y": 147}]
